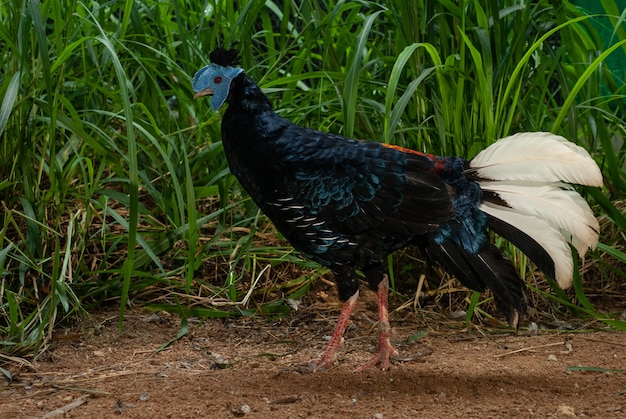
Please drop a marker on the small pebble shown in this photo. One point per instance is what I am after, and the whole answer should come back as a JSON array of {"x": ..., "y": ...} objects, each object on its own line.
[{"x": 564, "y": 410}]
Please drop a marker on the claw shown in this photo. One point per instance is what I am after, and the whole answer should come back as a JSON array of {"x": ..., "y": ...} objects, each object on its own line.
[{"x": 319, "y": 364}]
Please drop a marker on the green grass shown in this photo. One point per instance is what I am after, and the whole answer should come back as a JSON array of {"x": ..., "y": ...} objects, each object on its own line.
[{"x": 114, "y": 186}]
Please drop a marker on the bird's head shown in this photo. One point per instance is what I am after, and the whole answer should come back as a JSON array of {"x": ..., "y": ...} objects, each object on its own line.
[{"x": 215, "y": 79}]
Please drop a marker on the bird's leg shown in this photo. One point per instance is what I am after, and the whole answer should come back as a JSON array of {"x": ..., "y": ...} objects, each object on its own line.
[
  {"x": 330, "y": 354},
  {"x": 385, "y": 349}
]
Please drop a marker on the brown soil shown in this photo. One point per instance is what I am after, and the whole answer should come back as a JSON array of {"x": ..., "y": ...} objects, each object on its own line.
[{"x": 252, "y": 368}]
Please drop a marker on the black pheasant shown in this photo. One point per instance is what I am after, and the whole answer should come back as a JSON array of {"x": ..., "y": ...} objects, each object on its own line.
[{"x": 346, "y": 203}]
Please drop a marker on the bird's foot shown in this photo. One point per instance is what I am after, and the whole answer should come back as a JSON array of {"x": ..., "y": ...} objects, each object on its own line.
[
  {"x": 328, "y": 358},
  {"x": 322, "y": 363},
  {"x": 384, "y": 352}
]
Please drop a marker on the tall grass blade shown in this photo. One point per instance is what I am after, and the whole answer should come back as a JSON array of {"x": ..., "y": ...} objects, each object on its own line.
[
  {"x": 10, "y": 95},
  {"x": 350, "y": 90}
]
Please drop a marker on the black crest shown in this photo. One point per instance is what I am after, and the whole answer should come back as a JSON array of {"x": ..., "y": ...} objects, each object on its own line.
[{"x": 224, "y": 57}]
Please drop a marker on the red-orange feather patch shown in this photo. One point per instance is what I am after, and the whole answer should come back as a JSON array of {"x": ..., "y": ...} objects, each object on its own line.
[
  {"x": 440, "y": 163},
  {"x": 408, "y": 150}
]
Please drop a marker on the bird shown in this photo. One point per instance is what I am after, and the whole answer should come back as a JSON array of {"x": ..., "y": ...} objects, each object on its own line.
[{"x": 347, "y": 203}]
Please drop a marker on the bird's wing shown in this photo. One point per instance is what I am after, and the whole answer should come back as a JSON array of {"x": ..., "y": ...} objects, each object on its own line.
[{"x": 361, "y": 186}]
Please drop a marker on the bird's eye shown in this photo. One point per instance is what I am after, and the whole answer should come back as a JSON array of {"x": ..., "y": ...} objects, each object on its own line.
[{"x": 217, "y": 79}]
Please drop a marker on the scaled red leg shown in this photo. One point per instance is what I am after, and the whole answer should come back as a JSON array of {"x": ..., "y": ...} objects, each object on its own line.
[
  {"x": 330, "y": 354},
  {"x": 385, "y": 349}
]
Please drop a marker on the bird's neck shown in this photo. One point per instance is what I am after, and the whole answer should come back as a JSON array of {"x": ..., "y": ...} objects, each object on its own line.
[{"x": 248, "y": 96}]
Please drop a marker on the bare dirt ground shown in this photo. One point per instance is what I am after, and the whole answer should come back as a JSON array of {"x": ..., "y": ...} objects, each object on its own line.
[{"x": 251, "y": 368}]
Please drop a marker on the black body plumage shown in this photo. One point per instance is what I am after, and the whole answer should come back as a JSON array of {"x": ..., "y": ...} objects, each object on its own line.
[{"x": 346, "y": 203}]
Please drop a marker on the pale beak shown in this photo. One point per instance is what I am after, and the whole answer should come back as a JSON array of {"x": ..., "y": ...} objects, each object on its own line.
[{"x": 206, "y": 92}]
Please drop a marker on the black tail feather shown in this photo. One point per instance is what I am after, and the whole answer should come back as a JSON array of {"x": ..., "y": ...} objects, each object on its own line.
[
  {"x": 489, "y": 268},
  {"x": 525, "y": 243},
  {"x": 455, "y": 261}
]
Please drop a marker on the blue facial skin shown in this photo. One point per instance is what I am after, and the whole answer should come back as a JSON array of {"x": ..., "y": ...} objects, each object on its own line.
[{"x": 214, "y": 79}]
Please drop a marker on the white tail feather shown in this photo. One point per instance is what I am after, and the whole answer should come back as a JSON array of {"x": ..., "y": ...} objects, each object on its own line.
[
  {"x": 527, "y": 171},
  {"x": 557, "y": 204},
  {"x": 537, "y": 156},
  {"x": 543, "y": 233}
]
